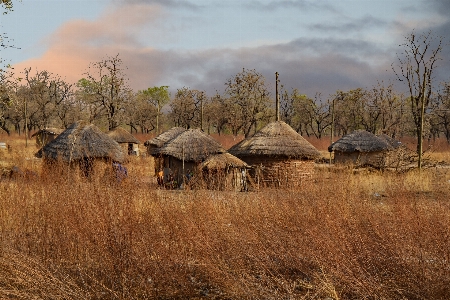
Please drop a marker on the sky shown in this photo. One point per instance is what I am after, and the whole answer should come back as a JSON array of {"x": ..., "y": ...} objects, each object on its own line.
[{"x": 317, "y": 47}]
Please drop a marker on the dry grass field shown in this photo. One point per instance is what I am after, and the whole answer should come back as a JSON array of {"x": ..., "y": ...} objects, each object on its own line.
[{"x": 341, "y": 235}]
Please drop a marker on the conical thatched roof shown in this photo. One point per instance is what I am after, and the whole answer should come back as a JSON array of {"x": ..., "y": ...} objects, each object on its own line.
[
  {"x": 81, "y": 140},
  {"x": 54, "y": 131},
  {"x": 360, "y": 141},
  {"x": 223, "y": 161},
  {"x": 392, "y": 142},
  {"x": 192, "y": 145},
  {"x": 275, "y": 139},
  {"x": 120, "y": 135},
  {"x": 164, "y": 137}
]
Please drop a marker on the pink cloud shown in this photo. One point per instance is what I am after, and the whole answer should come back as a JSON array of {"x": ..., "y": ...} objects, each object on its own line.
[{"x": 78, "y": 43}]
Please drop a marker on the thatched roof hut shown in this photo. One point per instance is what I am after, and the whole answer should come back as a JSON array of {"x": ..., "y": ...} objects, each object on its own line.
[
  {"x": 157, "y": 142},
  {"x": 280, "y": 155},
  {"x": 359, "y": 141},
  {"x": 276, "y": 139},
  {"x": 79, "y": 141},
  {"x": 391, "y": 141},
  {"x": 361, "y": 148},
  {"x": 122, "y": 136},
  {"x": 223, "y": 161},
  {"x": 224, "y": 171},
  {"x": 191, "y": 145},
  {"x": 43, "y": 136},
  {"x": 183, "y": 154},
  {"x": 125, "y": 138},
  {"x": 160, "y": 140}
]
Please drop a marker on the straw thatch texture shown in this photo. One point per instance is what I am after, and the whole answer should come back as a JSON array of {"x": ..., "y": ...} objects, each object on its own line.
[
  {"x": 191, "y": 145},
  {"x": 224, "y": 172},
  {"x": 79, "y": 141},
  {"x": 50, "y": 131},
  {"x": 392, "y": 142},
  {"x": 275, "y": 139},
  {"x": 360, "y": 141},
  {"x": 122, "y": 136},
  {"x": 46, "y": 135},
  {"x": 223, "y": 161},
  {"x": 164, "y": 137}
]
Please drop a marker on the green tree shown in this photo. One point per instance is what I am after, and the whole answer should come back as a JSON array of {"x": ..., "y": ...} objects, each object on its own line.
[{"x": 157, "y": 96}]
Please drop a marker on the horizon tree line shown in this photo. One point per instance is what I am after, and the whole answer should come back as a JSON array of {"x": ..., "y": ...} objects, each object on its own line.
[{"x": 40, "y": 99}]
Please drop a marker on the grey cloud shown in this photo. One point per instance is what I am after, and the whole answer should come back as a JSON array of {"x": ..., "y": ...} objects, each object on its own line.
[
  {"x": 440, "y": 6},
  {"x": 324, "y": 72},
  {"x": 356, "y": 25},
  {"x": 165, "y": 3},
  {"x": 290, "y": 4}
]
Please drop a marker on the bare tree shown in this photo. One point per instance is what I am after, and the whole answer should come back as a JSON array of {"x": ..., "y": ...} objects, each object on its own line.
[
  {"x": 441, "y": 109},
  {"x": 415, "y": 67},
  {"x": 247, "y": 90},
  {"x": 108, "y": 85},
  {"x": 186, "y": 108}
]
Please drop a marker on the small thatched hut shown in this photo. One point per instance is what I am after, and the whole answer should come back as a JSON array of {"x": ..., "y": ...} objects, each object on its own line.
[
  {"x": 46, "y": 135},
  {"x": 225, "y": 172},
  {"x": 280, "y": 156},
  {"x": 361, "y": 148},
  {"x": 157, "y": 142},
  {"x": 160, "y": 140},
  {"x": 126, "y": 140},
  {"x": 81, "y": 144},
  {"x": 183, "y": 154}
]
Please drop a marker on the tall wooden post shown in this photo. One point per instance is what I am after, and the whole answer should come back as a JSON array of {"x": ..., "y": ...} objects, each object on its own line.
[
  {"x": 277, "y": 99},
  {"x": 422, "y": 113},
  {"x": 26, "y": 124},
  {"x": 201, "y": 112},
  {"x": 332, "y": 126}
]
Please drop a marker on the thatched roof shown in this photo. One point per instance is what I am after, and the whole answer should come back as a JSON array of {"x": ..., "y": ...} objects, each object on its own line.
[
  {"x": 223, "y": 161},
  {"x": 164, "y": 137},
  {"x": 82, "y": 140},
  {"x": 391, "y": 141},
  {"x": 360, "y": 141},
  {"x": 52, "y": 131},
  {"x": 191, "y": 145},
  {"x": 275, "y": 139},
  {"x": 120, "y": 135}
]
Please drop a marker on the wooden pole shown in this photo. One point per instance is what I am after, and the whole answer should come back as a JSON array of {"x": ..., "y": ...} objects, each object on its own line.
[
  {"x": 332, "y": 127},
  {"x": 26, "y": 124},
  {"x": 183, "y": 168},
  {"x": 422, "y": 113},
  {"x": 201, "y": 112},
  {"x": 277, "y": 99}
]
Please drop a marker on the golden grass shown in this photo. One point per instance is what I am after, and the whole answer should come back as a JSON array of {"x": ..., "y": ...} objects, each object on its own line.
[{"x": 341, "y": 235}]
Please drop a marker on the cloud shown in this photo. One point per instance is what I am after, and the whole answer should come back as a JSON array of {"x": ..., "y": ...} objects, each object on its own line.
[
  {"x": 356, "y": 25},
  {"x": 165, "y": 3},
  {"x": 289, "y": 4},
  {"x": 313, "y": 65}
]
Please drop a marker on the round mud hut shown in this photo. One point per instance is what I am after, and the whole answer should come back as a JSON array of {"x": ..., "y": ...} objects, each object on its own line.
[
  {"x": 280, "y": 157},
  {"x": 361, "y": 148},
  {"x": 83, "y": 145},
  {"x": 46, "y": 135},
  {"x": 224, "y": 172},
  {"x": 157, "y": 142},
  {"x": 126, "y": 140},
  {"x": 183, "y": 154}
]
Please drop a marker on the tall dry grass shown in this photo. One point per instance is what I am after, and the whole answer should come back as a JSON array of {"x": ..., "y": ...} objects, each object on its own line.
[{"x": 340, "y": 235}]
